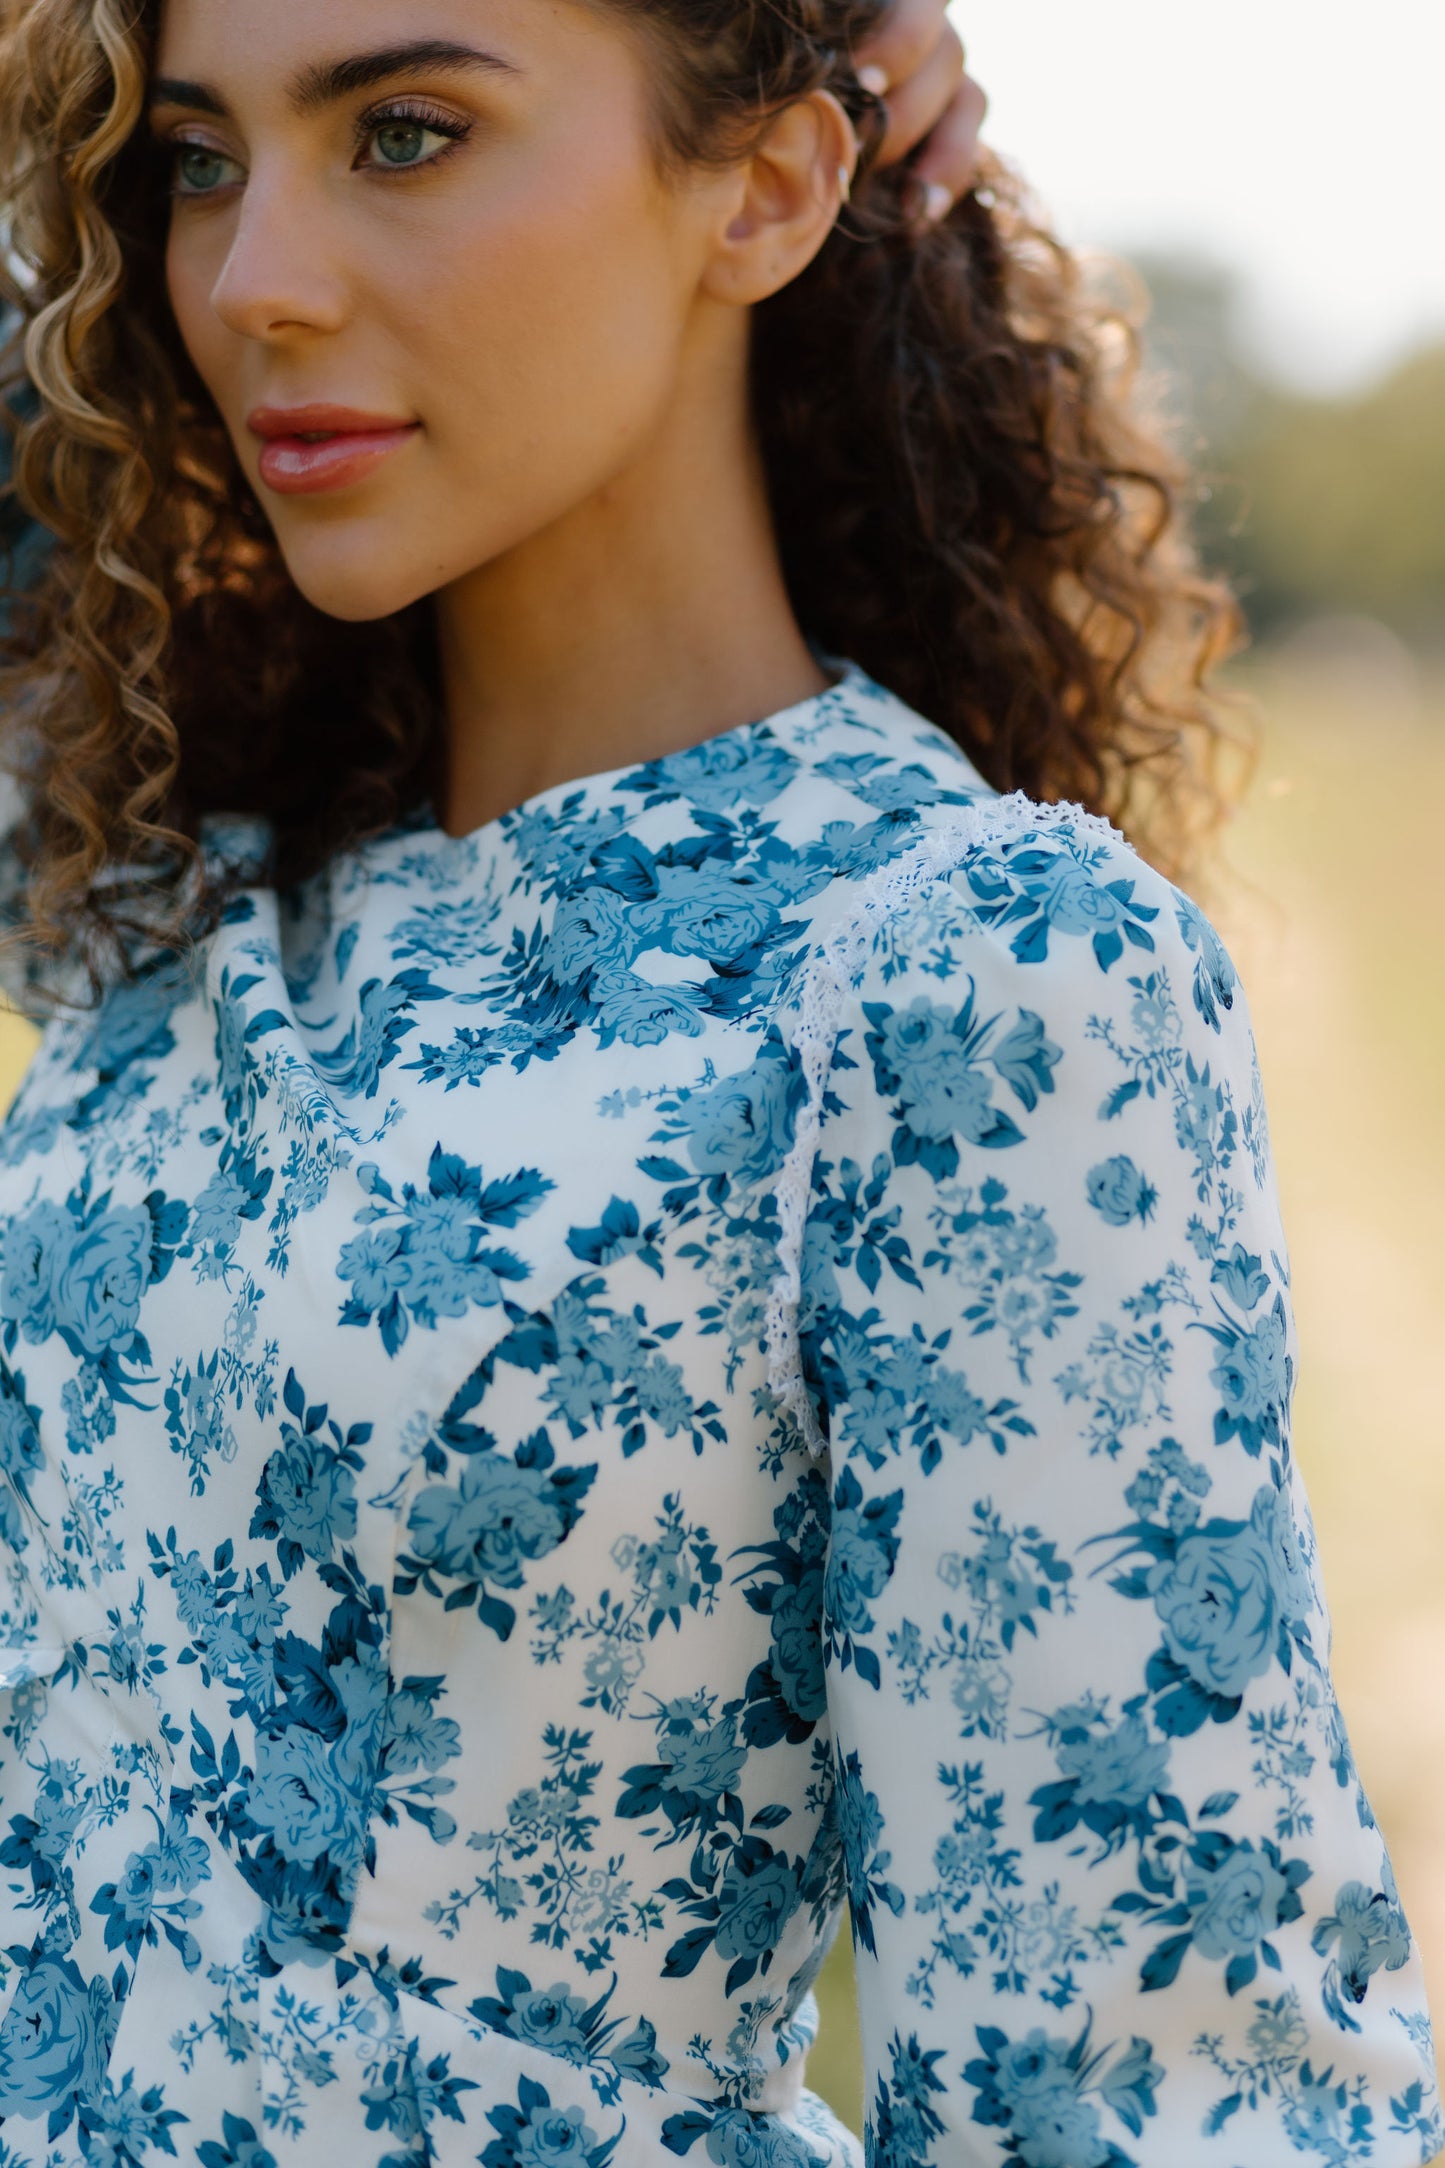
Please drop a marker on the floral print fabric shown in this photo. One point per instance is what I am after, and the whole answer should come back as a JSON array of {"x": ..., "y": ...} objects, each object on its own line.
[{"x": 558, "y": 1438}]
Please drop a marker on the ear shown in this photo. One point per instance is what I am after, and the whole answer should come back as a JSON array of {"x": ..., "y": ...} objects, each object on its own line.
[{"x": 785, "y": 201}]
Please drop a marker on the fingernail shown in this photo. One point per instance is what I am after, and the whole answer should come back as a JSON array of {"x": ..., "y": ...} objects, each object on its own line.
[
  {"x": 937, "y": 202},
  {"x": 874, "y": 81}
]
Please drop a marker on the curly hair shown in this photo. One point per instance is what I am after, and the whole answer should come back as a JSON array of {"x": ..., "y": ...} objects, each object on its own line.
[{"x": 970, "y": 498}]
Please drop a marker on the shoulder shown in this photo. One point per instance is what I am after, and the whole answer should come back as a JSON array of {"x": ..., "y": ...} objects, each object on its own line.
[
  {"x": 1018, "y": 1004},
  {"x": 1041, "y": 901},
  {"x": 1048, "y": 893},
  {"x": 901, "y": 829},
  {"x": 958, "y": 909},
  {"x": 1019, "y": 975}
]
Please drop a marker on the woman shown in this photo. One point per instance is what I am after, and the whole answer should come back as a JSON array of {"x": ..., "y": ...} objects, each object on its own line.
[{"x": 627, "y": 1322}]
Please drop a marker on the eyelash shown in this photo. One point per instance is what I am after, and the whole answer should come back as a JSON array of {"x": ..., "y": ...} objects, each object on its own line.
[
  {"x": 416, "y": 111},
  {"x": 421, "y": 115}
]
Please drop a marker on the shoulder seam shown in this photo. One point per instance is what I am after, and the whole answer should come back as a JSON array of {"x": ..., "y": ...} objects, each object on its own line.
[{"x": 837, "y": 965}]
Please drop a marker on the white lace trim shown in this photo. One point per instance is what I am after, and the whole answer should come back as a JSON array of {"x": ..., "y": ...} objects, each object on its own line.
[{"x": 835, "y": 969}]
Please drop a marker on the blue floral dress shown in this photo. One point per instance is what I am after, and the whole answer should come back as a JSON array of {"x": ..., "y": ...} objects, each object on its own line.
[{"x": 582, "y": 1401}]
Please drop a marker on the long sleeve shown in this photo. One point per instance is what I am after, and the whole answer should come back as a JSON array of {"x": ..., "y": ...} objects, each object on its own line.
[{"x": 1117, "y": 1895}]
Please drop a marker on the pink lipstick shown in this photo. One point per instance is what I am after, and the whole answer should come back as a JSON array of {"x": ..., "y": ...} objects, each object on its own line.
[{"x": 314, "y": 448}]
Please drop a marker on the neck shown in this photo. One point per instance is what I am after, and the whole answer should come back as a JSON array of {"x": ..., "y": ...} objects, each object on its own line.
[{"x": 651, "y": 616}]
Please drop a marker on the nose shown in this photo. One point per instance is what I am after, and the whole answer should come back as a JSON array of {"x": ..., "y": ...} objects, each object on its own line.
[{"x": 280, "y": 276}]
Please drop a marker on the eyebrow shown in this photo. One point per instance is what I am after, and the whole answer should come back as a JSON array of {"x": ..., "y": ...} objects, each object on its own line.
[{"x": 327, "y": 83}]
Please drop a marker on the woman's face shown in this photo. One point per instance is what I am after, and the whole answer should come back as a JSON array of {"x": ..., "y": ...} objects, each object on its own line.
[{"x": 429, "y": 236}]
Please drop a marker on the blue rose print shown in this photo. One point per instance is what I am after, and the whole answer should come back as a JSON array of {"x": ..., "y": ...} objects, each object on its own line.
[
  {"x": 306, "y": 1499},
  {"x": 133, "y": 1023},
  {"x": 84, "y": 1281},
  {"x": 550, "y": 2018},
  {"x": 1233, "y": 1898},
  {"x": 882, "y": 782},
  {"x": 700, "y": 1760},
  {"x": 1368, "y": 1933},
  {"x": 758, "y": 1894},
  {"x": 1040, "y": 889},
  {"x": 1229, "y": 1597},
  {"x": 20, "y": 1449},
  {"x": 742, "y": 1128},
  {"x": 219, "y": 1210},
  {"x": 1121, "y": 1768},
  {"x": 590, "y": 933},
  {"x": 55, "y": 2040},
  {"x": 1215, "y": 979},
  {"x": 936, "y": 1061},
  {"x": 299, "y": 1799},
  {"x": 788, "y": 1694},
  {"x": 238, "y": 2147},
  {"x": 1236, "y": 1903},
  {"x": 578, "y": 2031},
  {"x": 903, "y": 2119},
  {"x": 862, "y": 1553},
  {"x": 1119, "y": 1193},
  {"x": 534, "y": 2134},
  {"x": 865, "y": 1861},
  {"x": 1216, "y": 1599},
  {"x": 628, "y": 1009},
  {"x": 940, "y": 1090},
  {"x": 424, "y": 1256},
  {"x": 1052, "y": 2099},
  {"x": 564, "y": 1394},
  {"x": 1112, "y": 1777},
  {"x": 485, "y": 1530},
  {"x": 708, "y": 913},
  {"x": 731, "y": 2138},
  {"x": 102, "y": 1278},
  {"x": 1252, "y": 1375},
  {"x": 746, "y": 768},
  {"x": 33, "y": 1247},
  {"x": 354, "y": 1065},
  {"x": 155, "y": 1891}
]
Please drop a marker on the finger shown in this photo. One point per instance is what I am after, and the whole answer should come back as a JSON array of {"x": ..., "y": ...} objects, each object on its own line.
[
  {"x": 918, "y": 103},
  {"x": 900, "y": 45},
  {"x": 947, "y": 165}
]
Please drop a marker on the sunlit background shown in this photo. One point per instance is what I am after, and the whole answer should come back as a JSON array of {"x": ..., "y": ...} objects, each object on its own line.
[{"x": 1276, "y": 167}]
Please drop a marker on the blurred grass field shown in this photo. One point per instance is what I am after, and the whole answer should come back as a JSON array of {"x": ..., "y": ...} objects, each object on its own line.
[{"x": 1333, "y": 903}]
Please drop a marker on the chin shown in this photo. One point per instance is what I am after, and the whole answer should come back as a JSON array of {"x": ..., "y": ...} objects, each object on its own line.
[{"x": 355, "y": 588}]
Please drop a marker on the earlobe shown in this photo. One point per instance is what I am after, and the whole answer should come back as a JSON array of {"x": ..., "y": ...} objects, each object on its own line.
[{"x": 795, "y": 184}]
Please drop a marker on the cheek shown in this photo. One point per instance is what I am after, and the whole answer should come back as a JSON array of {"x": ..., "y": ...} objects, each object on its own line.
[{"x": 551, "y": 334}]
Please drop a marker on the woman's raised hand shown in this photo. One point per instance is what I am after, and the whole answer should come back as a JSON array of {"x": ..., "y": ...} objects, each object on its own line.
[{"x": 915, "y": 63}]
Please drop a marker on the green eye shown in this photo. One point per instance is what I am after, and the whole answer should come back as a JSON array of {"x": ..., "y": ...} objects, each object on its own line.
[
  {"x": 200, "y": 171},
  {"x": 402, "y": 142}
]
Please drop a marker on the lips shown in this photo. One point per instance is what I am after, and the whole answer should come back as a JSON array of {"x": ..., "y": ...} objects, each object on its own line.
[{"x": 310, "y": 449}]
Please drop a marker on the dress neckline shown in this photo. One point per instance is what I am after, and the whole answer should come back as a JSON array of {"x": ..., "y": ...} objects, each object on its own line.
[
  {"x": 602, "y": 782},
  {"x": 239, "y": 845}
]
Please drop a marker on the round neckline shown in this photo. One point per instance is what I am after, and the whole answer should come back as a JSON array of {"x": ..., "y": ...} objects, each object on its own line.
[
  {"x": 239, "y": 844},
  {"x": 423, "y": 820}
]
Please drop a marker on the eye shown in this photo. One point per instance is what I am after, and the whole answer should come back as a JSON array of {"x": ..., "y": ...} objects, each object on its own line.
[
  {"x": 200, "y": 170},
  {"x": 406, "y": 138}
]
